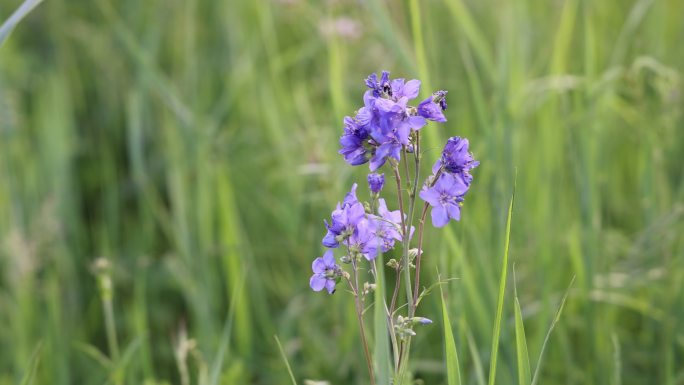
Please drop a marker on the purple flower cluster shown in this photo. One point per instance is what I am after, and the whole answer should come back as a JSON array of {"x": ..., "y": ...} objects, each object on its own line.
[
  {"x": 386, "y": 123},
  {"x": 450, "y": 182},
  {"x": 380, "y": 131},
  {"x": 361, "y": 233}
]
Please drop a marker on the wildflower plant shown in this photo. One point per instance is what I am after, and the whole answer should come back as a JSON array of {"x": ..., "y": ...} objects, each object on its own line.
[{"x": 385, "y": 132}]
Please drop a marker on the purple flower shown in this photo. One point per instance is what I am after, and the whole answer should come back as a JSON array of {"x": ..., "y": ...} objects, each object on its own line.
[
  {"x": 376, "y": 182},
  {"x": 325, "y": 273},
  {"x": 383, "y": 126},
  {"x": 456, "y": 159},
  {"x": 354, "y": 147},
  {"x": 363, "y": 240},
  {"x": 344, "y": 219},
  {"x": 432, "y": 107},
  {"x": 387, "y": 226},
  {"x": 350, "y": 198},
  {"x": 445, "y": 197},
  {"x": 408, "y": 90},
  {"x": 389, "y": 149},
  {"x": 379, "y": 87},
  {"x": 395, "y": 89},
  {"x": 440, "y": 97},
  {"x": 391, "y": 129}
]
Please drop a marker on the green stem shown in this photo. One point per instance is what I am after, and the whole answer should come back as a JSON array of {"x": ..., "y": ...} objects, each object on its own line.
[
  {"x": 359, "y": 316},
  {"x": 108, "y": 310},
  {"x": 418, "y": 258}
]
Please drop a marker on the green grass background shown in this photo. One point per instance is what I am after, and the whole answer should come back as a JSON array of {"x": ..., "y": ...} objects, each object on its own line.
[{"x": 193, "y": 144}]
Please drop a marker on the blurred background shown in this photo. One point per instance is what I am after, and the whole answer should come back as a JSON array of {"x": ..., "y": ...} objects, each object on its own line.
[{"x": 166, "y": 166}]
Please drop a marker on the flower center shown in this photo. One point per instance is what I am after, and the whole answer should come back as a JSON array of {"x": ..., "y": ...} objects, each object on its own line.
[{"x": 445, "y": 199}]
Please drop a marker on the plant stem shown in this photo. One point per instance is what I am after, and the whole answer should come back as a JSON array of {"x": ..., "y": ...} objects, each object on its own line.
[
  {"x": 418, "y": 258},
  {"x": 397, "y": 282},
  {"x": 359, "y": 315},
  {"x": 412, "y": 205},
  {"x": 106, "y": 294},
  {"x": 397, "y": 177},
  {"x": 390, "y": 323},
  {"x": 405, "y": 348},
  {"x": 406, "y": 169}
]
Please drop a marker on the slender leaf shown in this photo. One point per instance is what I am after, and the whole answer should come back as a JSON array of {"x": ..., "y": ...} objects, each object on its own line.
[
  {"x": 287, "y": 363},
  {"x": 556, "y": 318},
  {"x": 502, "y": 289},
  {"x": 30, "y": 373},
  {"x": 524, "y": 374},
  {"x": 452, "y": 363}
]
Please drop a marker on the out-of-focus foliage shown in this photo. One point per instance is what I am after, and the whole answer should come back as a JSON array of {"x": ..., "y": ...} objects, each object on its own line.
[{"x": 193, "y": 145}]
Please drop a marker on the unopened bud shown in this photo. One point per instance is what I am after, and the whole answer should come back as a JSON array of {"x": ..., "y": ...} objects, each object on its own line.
[{"x": 421, "y": 320}]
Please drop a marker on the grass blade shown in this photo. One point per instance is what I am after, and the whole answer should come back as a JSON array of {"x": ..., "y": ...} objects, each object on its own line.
[
  {"x": 548, "y": 334},
  {"x": 502, "y": 289},
  {"x": 21, "y": 12},
  {"x": 452, "y": 364},
  {"x": 227, "y": 331},
  {"x": 524, "y": 374},
  {"x": 287, "y": 363},
  {"x": 475, "y": 354},
  {"x": 617, "y": 361},
  {"x": 464, "y": 18},
  {"x": 33, "y": 366}
]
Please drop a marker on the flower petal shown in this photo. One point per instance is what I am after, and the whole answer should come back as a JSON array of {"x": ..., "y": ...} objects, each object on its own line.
[
  {"x": 430, "y": 196},
  {"x": 376, "y": 162},
  {"x": 328, "y": 259},
  {"x": 317, "y": 282},
  {"x": 330, "y": 241},
  {"x": 397, "y": 87},
  {"x": 439, "y": 216},
  {"x": 437, "y": 166},
  {"x": 454, "y": 211},
  {"x": 318, "y": 266},
  {"x": 411, "y": 89},
  {"x": 417, "y": 122},
  {"x": 330, "y": 286}
]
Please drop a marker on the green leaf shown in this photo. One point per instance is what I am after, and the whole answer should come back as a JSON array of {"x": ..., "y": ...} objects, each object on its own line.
[
  {"x": 28, "y": 377},
  {"x": 556, "y": 318},
  {"x": 452, "y": 364},
  {"x": 502, "y": 289},
  {"x": 524, "y": 374},
  {"x": 223, "y": 351},
  {"x": 287, "y": 363}
]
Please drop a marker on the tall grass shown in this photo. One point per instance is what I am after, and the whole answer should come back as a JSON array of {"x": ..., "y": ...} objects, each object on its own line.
[{"x": 193, "y": 144}]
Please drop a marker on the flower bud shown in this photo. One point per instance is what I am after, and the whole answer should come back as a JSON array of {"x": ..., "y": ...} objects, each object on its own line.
[
  {"x": 393, "y": 263},
  {"x": 368, "y": 287},
  {"x": 376, "y": 182},
  {"x": 421, "y": 320}
]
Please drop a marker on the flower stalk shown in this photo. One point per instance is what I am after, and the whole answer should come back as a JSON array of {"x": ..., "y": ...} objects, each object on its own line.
[{"x": 383, "y": 131}]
